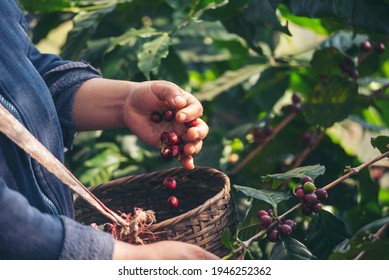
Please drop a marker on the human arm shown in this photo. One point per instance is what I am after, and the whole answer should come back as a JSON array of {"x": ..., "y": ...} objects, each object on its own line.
[
  {"x": 103, "y": 103},
  {"x": 26, "y": 233},
  {"x": 163, "y": 250}
]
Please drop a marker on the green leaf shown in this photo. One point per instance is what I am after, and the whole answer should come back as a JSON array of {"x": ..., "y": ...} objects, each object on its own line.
[
  {"x": 324, "y": 233},
  {"x": 312, "y": 171},
  {"x": 361, "y": 14},
  {"x": 290, "y": 249},
  {"x": 332, "y": 100},
  {"x": 229, "y": 79},
  {"x": 309, "y": 23},
  {"x": 226, "y": 239},
  {"x": 149, "y": 57},
  {"x": 85, "y": 24},
  {"x": 270, "y": 87},
  {"x": 262, "y": 13},
  {"x": 381, "y": 143},
  {"x": 371, "y": 228},
  {"x": 269, "y": 196},
  {"x": 323, "y": 60},
  {"x": 46, "y": 6}
]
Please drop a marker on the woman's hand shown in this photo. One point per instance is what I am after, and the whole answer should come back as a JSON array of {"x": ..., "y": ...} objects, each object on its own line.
[
  {"x": 163, "y": 250},
  {"x": 105, "y": 104},
  {"x": 157, "y": 96}
]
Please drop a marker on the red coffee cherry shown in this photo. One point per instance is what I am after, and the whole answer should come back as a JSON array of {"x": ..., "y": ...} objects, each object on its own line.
[
  {"x": 166, "y": 153},
  {"x": 156, "y": 117},
  {"x": 191, "y": 123},
  {"x": 265, "y": 221},
  {"x": 172, "y": 202},
  {"x": 169, "y": 182},
  {"x": 169, "y": 115}
]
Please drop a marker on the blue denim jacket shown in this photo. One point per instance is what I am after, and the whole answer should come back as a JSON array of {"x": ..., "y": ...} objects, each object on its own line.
[{"x": 37, "y": 215}]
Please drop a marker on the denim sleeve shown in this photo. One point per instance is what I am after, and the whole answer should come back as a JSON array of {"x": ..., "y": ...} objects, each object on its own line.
[
  {"x": 26, "y": 233},
  {"x": 63, "y": 82}
]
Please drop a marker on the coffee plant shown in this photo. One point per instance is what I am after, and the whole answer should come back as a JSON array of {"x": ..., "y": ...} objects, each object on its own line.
[{"x": 295, "y": 94}]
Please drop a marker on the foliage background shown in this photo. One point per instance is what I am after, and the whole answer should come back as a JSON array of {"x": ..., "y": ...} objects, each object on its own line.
[{"x": 244, "y": 59}]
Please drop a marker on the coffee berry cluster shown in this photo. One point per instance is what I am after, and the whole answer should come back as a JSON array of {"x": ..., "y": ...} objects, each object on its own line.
[
  {"x": 296, "y": 106},
  {"x": 310, "y": 196},
  {"x": 275, "y": 228},
  {"x": 170, "y": 183},
  {"x": 259, "y": 134},
  {"x": 171, "y": 143}
]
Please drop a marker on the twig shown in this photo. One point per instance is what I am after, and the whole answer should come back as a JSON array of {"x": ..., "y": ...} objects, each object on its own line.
[
  {"x": 352, "y": 172},
  {"x": 254, "y": 152},
  {"x": 377, "y": 236}
]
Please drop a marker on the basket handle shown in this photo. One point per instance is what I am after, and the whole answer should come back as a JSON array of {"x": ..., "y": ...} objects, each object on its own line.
[{"x": 15, "y": 131}]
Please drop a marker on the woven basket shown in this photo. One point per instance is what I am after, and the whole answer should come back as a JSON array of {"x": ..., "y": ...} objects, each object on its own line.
[{"x": 204, "y": 210}]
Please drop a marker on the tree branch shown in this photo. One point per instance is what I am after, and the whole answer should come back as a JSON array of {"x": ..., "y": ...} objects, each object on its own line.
[{"x": 351, "y": 172}]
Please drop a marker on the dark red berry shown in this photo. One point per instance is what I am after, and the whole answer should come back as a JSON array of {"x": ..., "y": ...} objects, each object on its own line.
[
  {"x": 306, "y": 179},
  {"x": 190, "y": 124},
  {"x": 166, "y": 153},
  {"x": 366, "y": 46},
  {"x": 296, "y": 98},
  {"x": 290, "y": 223},
  {"x": 296, "y": 107},
  {"x": 268, "y": 130},
  {"x": 298, "y": 187},
  {"x": 172, "y": 138},
  {"x": 306, "y": 136},
  {"x": 346, "y": 65},
  {"x": 300, "y": 194},
  {"x": 306, "y": 210},
  {"x": 169, "y": 182},
  {"x": 270, "y": 212},
  {"x": 273, "y": 235},
  {"x": 316, "y": 208},
  {"x": 321, "y": 194},
  {"x": 261, "y": 213},
  {"x": 353, "y": 73},
  {"x": 176, "y": 151},
  {"x": 265, "y": 221},
  {"x": 285, "y": 230},
  {"x": 172, "y": 202},
  {"x": 310, "y": 199},
  {"x": 380, "y": 48},
  {"x": 169, "y": 115},
  {"x": 164, "y": 138},
  {"x": 156, "y": 117}
]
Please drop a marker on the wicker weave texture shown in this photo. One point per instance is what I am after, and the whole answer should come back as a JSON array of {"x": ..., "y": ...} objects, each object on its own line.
[{"x": 204, "y": 211}]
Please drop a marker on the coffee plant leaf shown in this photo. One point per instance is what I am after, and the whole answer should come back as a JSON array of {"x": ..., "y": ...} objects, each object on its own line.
[
  {"x": 324, "y": 233},
  {"x": 225, "y": 239},
  {"x": 381, "y": 143},
  {"x": 270, "y": 87},
  {"x": 362, "y": 14},
  {"x": 151, "y": 53},
  {"x": 269, "y": 196},
  {"x": 323, "y": 60},
  {"x": 228, "y": 80},
  {"x": 314, "y": 24},
  {"x": 350, "y": 249},
  {"x": 312, "y": 171},
  {"x": 371, "y": 227},
  {"x": 46, "y": 6},
  {"x": 337, "y": 93},
  {"x": 263, "y": 13},
  {"x": 85, "y": 24},
  {"x": 290, "y": 249}
]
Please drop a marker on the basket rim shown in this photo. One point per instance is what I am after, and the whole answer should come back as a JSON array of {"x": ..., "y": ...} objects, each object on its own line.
[{"x": 225, "y": 191}]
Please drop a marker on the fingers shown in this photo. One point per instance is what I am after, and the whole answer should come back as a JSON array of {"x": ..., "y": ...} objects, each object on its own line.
[{"x": 189, "y": 108}]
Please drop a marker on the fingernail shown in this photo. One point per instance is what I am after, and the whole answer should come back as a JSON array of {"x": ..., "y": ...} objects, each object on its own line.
[
  {"x": 181, "y": 117},
  {"x": 179, "y": 99}
]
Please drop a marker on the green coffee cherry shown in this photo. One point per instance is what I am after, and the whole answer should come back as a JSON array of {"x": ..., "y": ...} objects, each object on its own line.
[{"x": 309, "y": 187}]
